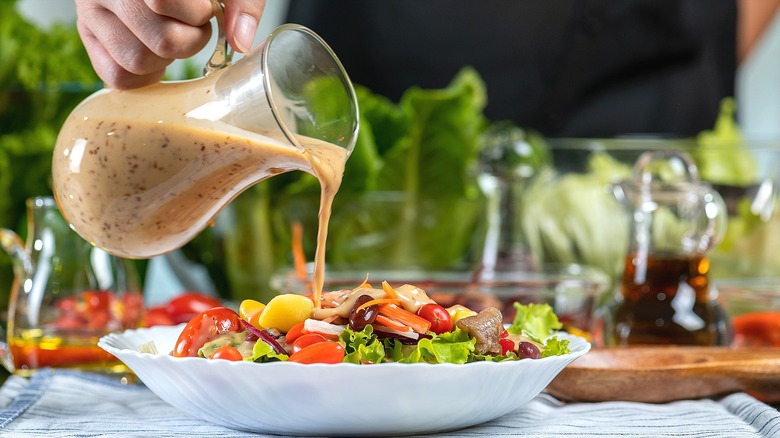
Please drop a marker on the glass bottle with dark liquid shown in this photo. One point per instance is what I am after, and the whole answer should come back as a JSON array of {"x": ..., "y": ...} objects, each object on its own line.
[
  {"x": 668, "y": 303},
  {"x": 665, "y": 295}
]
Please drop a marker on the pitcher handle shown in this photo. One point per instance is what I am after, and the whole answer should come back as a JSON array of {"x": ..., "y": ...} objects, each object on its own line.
[
  {"x": 223, "y": 53},
  {"x": 715, "y": 211},
  {"x": 14, "y": 246},
  {"x": 676, "y": 170}
]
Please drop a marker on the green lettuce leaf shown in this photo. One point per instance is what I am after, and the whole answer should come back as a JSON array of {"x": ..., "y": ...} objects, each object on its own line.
[
  {"x": 555, "y": 346},
  {"x": 721, "y": 155},
  {"x": 510, "y": 355},
  {"x": 572, "y": 218},
  {"x": 539, "y": 322},
  {"x": 452, "y": 347},
  {"x": 262, "y": 352},
  {"x": 435, "y": 153},
  {"x": 362, "y": 347}
]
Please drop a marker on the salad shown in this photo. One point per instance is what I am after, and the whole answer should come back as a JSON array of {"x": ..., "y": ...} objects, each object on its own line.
[{"x": 368, "y": 325}]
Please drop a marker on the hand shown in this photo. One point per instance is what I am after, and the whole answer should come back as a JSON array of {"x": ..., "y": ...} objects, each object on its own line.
[{"x": 131, "y": 42}]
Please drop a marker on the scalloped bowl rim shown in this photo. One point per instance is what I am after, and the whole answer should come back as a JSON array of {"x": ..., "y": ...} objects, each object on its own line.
[{"x": 342, "y": 399}]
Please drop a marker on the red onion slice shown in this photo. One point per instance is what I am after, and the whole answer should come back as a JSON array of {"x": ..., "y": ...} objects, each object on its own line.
[{"x": 263, "y": 335}]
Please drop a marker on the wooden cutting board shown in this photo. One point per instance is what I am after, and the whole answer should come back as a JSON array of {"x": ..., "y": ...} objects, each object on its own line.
[{"x": 661, "y": 374}]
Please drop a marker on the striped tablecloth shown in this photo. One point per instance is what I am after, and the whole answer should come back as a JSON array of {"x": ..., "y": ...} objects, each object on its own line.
[{"x": 72, "y": 404}]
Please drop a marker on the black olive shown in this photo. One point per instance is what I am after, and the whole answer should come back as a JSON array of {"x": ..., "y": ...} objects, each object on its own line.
[{"x": 360, "y": 318}]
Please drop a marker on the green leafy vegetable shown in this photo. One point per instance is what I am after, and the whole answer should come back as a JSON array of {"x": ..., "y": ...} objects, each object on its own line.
[
  {"x": 574, "y": 219},
  {"x": 534, "y": 320},
  {"x": 452, "y": 347},
  {"x": 538, "y": 322},
  {"x": 362, "y": 347},
  {"x": 555, "y": 346},
  {"x": 721, "y": 155},
  {"x": 749, "y": 247},
  {"x": 262, "y": 352}
]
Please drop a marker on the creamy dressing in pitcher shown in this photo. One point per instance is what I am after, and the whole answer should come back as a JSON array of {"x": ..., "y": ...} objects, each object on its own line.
[{"x": 137, "y": 176}]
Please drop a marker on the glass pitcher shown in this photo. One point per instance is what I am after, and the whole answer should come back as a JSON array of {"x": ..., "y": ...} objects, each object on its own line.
[
  {"x": 66, "y": 294},
  {"x": 665, "y": 296},
  {"x": 140, "y": 172}
]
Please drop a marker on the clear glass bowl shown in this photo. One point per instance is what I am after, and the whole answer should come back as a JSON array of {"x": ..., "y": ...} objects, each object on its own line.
[
  {"x": 752, "y": 308},
  {"x": 575, "y": 292}
]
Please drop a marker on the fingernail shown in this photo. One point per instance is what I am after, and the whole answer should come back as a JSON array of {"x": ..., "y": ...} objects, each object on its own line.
[{"x": 246, "y": 27}]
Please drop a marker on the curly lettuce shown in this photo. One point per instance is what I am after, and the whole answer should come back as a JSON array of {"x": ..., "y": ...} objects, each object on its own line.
[
  {"x": 362, "y": 347},
  {"x": 539, "y": 322},
  {"x": 451, "y": 347}
]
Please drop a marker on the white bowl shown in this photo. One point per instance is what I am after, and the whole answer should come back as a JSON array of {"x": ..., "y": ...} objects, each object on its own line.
[{"x": 341, "y": 399}]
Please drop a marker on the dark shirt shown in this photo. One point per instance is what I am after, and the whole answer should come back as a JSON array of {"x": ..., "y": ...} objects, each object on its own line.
[{"x": 564, "y": 67}]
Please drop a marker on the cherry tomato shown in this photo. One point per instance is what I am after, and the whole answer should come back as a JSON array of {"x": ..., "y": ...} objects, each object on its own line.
[
  {"x": 157, "y": 315},
  {"x": 98, "y": 320},
  {"x": 295, "y": 332},
  {"x": 304, "y": 341},
  {"x": 440, "y": 319},
  {"x": 68, "y": 322},
  {"x": 97, "y": 300},
  {"x": 67, "y": 305},
  {"x": 757, "y": 329},
  {"x": 506, "y": 346},
  {"x": 204, "y": 327},
  {"x": 322, "y": 352},
  {"x": 184, "y": 307},
  {"x": 227, "y": 352}
]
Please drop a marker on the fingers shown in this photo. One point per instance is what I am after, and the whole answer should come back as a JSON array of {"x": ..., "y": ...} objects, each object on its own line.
[
  {"x": 130, "y": 44},
  {"x": 166, "y": 37},
  {"x": 109, "y": 70},
  {"x": 193, "y": 13},
  {"x": 241, "y": 20}
]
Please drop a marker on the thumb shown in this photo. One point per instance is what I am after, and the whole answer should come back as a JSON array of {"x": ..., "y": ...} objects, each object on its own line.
[{"x": 241, "y": 20}]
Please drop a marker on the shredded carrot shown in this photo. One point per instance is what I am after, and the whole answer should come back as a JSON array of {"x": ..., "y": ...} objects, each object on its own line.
[
  {"x": 299, "y": 257},
  {"x": 405, "y": 317},
  {"x": 389, "y": 291},
  {"x": 379, "y": 301},
  {"x": 365, "y": 283},
  {"x": 387, "y": 322}
]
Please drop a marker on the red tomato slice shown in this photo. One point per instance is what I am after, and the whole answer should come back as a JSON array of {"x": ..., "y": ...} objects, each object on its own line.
[
  {"x": 184, "y": 307},
  {"x": 295, "y": 332},
  {"x": 757, "y": 329},
  {"x": 157, "y": 315},
  {"x": 304, "y": 341},
  {"x": 322, "y": 352},
  {"x": 227, "y": 352},
  {"x": 205, "y": 327},
  {"x": 440, "y": 319},
  {"x": 506, "y": 346}
]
